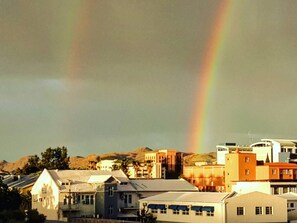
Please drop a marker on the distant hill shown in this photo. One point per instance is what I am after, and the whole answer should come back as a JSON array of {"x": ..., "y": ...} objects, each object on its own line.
[
  {"x": 79, "y": 162},
  {"x": 204, "y": 157},
  {"x": 9, "y": 167}
]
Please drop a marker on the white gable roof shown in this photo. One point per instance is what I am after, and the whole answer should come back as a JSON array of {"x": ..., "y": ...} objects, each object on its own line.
[{"x": 163, "y": 185}]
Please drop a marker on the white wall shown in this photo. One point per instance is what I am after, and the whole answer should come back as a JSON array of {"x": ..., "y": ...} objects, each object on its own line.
[
  {"x": 218, "y": 217},
  {"x": 252, "y": 200},
  {"x": 45, "y": 196}
]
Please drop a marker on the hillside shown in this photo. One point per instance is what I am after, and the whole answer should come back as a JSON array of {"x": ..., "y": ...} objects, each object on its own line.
[
  {"x": 205, "y": 157},
  {"x": 79, "y": 162}
]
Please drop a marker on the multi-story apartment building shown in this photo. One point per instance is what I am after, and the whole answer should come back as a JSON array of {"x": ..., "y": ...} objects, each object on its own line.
[
  {"x": 267, "y": 150},
  {"x": 239, "y": 167},
  {"x": 276, "y": 150},
  {"x": 60, "y": 194},
  {"x": 171, "y": 160},
  {"x": 206, "y": 177},
  {"x": 146, "y": 170}
]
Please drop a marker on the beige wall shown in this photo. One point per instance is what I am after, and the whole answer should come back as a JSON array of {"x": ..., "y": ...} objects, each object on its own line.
[
  {"x": 262, "y": 172},
  {"x": 252, "y": 200}
]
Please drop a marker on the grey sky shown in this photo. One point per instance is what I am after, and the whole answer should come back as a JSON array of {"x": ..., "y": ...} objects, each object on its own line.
[{"x": 103, "y": 76}]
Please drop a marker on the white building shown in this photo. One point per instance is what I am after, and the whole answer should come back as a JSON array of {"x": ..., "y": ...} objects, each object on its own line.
[
  {"x": 278, "y": 150},
  {"x": 206, "y": 207},
  {"x": 267, "y": 150},
  {"x": 59, "y": 194},
  {"x": 291, "y": 205},
  {"x": 107, "y": 164},
  {"x": 209, "y": 207},
  {"x": 222, "y": 150},
  {"x": 256, "y": 207}
]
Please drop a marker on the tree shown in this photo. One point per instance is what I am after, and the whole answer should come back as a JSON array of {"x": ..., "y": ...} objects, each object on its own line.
[
  {"x": 34, "y": 217},
  {"x": 146, "y": 217},
  {"x": 9, "y": 199},
  {"x": 32, "y": 166},
  {"x": 55, "y": 158},
  {"x": 124, "y": 166}
]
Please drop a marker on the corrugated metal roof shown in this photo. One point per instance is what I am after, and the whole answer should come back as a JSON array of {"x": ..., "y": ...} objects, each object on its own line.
[
  {"x": 78, "y": 179},
  {"x": 20, "y": 181},
  {"x": 289, "y": 196},
  {"x": 163, "y": 185},
  {"x": 180, "y": 197}
]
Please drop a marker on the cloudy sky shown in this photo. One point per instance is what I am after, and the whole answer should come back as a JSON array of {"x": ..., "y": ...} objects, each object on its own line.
[{"x": 104, "y": 76}]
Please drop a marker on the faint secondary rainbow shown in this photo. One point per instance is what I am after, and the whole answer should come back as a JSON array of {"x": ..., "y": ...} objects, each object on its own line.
[{"x": 207, "y": 76}]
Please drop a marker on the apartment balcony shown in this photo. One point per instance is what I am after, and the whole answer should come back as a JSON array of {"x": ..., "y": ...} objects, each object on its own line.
[{"x": 70, "y": 207}]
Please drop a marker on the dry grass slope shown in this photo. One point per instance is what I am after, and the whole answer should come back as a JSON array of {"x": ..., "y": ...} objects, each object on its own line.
[{"x": 78, "y": 162}]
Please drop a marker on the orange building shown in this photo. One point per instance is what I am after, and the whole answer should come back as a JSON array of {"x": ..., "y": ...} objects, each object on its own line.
[
  {"x": 206, "y": 177},
  {"x": 165, "y": 157},
  {"x": 239, "y": 167},
  {"x": 277, "y": 171}
]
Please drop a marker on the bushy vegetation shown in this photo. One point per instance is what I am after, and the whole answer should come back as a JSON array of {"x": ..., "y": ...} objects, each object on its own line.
[
  {"x": 11, "y": 211},
  {"x": 56, "y": 158}
]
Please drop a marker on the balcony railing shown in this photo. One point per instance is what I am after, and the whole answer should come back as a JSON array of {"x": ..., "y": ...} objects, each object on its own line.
[{"x": 68, "y": 207}]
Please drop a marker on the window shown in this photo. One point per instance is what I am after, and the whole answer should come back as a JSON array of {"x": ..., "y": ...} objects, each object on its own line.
[
  {"x": 199, "y": 213},
  {"x": 130, "y": 198},
  {"x": 240, "y": 210},
  {"x": 291, "y": 205},
  {"x": 110, "y": 210},
  {"x": 185, "y": 212},
  {"x": 273, "y": 171},
  {"x": 268, "y": 210},
  {"x": 163, "y": 211},
  {"x": 247, "y": 172},
  {"x": 87, "y": 199},
  {"x": 110, "y": 191},
  {"x": 247, "y": 159},
  {"x": 209, "y": 213},
  {"x": 258, "y": 211},
  {"x": 155, "y": 211},
  {"x": 175, "y": 211},
  {"x": 92, "y": 199}
]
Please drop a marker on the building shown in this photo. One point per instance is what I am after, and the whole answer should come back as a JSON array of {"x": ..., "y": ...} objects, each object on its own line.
[
  {"x": 291, "y": 205},
  {"x": 59, "y": 194},
  {"x": 227, "y": 148},
  {"x": 242, "y": 173},
  {"x": 108, "y": 165},
  {"x": 171, "y": 160},
  {"x": 23, "y": 183},
  {"x": 239, "y": 167},
  {"x": 76, "y": 193},
  {"x": 276, "y": 150},
  {"x": 146, "y": 170},
  {"x": 256, "y": 207},
  {"x": 206, "y": 207},
  {"x": 206, "y": 177},
  {"x": 267, "y": 150},
  {"x": 216, "y": 207}
]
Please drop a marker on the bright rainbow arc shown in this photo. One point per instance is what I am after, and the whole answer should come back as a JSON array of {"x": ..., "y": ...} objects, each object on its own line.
[{"x": 207, "y": 78}]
